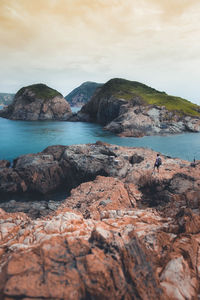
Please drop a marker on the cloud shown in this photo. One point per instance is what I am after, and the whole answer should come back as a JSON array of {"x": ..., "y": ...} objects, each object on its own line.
[{"x": 147, "y": 40}]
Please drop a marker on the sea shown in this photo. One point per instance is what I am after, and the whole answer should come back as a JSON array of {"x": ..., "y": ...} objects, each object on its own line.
[{"x": 22, "y": 137}]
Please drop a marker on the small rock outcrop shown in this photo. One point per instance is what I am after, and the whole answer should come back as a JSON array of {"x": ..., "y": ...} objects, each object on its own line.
[
  {"x": 82, "y": 94},
  {"x": 130, "y": 108},
  {"x": 6, "y": 98},
  {"x": 37, "y": 102}
]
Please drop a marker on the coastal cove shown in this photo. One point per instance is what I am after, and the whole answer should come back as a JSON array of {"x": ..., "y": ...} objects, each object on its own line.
[{"x": 23, "y": 137}]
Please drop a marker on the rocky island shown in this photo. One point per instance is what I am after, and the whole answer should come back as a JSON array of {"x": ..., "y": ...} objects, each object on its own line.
[
  {"x": 121, "y": 233},
  {"x": 130, "y": 108},
  {"x": 82, "y": 94},
  {"x": 37, "y": 102}
]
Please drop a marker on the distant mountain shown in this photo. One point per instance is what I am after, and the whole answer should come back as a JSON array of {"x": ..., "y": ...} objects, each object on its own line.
[
  {"x": 6, "y": 99},
  {"x": 130, "y": 108},
  {"x": 82, "y": 94}
]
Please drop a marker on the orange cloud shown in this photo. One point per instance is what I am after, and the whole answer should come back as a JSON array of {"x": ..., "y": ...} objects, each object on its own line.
[{"x": 98, "y": 38}]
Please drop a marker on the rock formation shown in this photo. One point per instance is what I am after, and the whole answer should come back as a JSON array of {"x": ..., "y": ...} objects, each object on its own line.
[
  {"x": 129, "y": 108},
  {"x": 82, "y": 94},
  {"x": 6, "y": 99},
  {"x": 37, "y": 102},
  {"x": 122, "y": 233},
  {"x": 67, "y": 166}
]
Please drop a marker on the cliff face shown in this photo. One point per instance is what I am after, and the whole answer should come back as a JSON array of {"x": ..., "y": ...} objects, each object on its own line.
[
  {"x": 123, "y": 233},
  {"x": 37, "y": 102},
  {"x": 130, "y": 108},
  {"x": 82, "y": 94}
]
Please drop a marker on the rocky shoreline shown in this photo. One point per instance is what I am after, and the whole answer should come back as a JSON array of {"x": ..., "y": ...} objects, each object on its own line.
[
  {"x": 122, "y": 233},
  {"x": 125, "y": 119},
  {"x": 129, "y": 108}
]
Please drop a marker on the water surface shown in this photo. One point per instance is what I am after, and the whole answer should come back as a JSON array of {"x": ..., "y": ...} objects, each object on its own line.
[{"x": 22, "y": 137}]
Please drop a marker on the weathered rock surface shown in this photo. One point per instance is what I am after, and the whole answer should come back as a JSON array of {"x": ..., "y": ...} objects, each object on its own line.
[
  {"x": 105, "y": 193},
  {"x": 4, "y": 164},
  {"x": 120, "y": 252},
  {"x": 125, "y": 234},
  {"x": 33, "y": 208},
  {"x": 125, "y": 108},
  {"x": 152, "y": 120},
  {"x": 69, "y": 257},
  {"x": 68, "y": 166},
  {"x": 37, "y": 102}
]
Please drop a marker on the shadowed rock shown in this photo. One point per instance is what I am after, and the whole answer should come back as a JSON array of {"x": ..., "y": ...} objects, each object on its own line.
[{"x": 82, "y": 94}]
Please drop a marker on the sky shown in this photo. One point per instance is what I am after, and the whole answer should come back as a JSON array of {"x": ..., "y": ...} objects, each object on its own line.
[{"x": 64, "y": 43}]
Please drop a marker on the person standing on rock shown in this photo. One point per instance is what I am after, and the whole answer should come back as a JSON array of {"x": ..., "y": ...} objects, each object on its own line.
[{"x": 158, "y": 162}]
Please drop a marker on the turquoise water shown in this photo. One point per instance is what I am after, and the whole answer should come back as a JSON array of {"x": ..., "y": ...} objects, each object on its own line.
[{"x": 22, "y": 137}]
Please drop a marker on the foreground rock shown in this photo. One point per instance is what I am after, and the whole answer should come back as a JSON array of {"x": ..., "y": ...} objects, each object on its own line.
[
  {"x": 74, "y": 258},
  {"x": 122, "y": 233},
  {"x": 67, "y": 166},
  {"x": 130, "y": 108},
  {"x": 114, "y": 250},
  {"x": 37, "y": 102}
]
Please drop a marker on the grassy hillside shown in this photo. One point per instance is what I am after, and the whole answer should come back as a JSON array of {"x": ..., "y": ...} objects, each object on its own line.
[
  {"x": 40, "y": 90},
  {"x": 129, "y": 89}
]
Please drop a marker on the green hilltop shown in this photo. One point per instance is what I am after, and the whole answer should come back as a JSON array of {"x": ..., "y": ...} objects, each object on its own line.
[
  {"x": 41, "y": 91},
  {"x": 128, "y": 90}
]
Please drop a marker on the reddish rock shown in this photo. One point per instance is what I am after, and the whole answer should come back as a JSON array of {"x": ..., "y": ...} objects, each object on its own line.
[
  {"x": 102, "y": 264},
  {"x": 130, "y": 252},
  {"x": 105, "y": 193},
  {"x": 132, "y": 234}
]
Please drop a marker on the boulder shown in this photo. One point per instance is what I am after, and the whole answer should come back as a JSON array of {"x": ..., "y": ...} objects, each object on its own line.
[
  {"x": 11, "y": 182},
  {"x": 41, "y": 172},
  {"x": 105, "y": 193}
]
